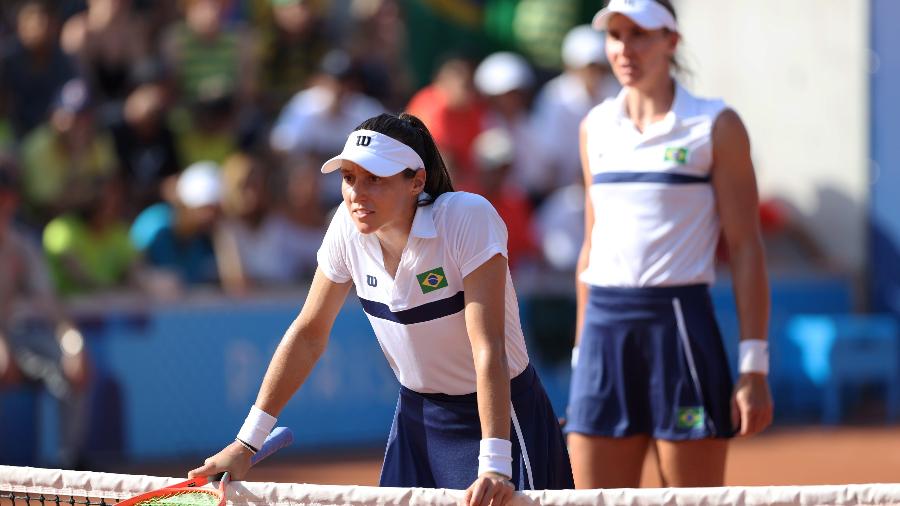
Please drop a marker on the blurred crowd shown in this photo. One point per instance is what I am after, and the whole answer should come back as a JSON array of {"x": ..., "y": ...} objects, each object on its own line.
[{"x": 163, "y": 145}]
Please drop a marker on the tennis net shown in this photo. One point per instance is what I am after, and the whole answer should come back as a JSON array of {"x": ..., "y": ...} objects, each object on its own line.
[{"x": 32, "y": 486}]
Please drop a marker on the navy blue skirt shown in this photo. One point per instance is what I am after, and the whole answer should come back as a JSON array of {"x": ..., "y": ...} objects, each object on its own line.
[
  {"x": 434, "y": 441},
  {"x": 651, "y": 361}
]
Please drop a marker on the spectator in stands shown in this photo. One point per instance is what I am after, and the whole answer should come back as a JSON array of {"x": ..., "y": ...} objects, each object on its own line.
[
  {"x": 539, "y": 27},
  {"x": 38, "y": 343},
  {"x": 566, "y": 99},
  {"x": 89, "y": 250},
  {"x": 256, "y": 244},
  {"x": 63, "y": 158},
  {"x": 455, "y": 115},
  {"x": 317, "y": 117},
  {"x": 292, "y": 48},
  {"x": 205, "y": 54},
  {"x": 109, "y": 42},
  {"x": 506, "y": 79},
  {"x": 207, "y": 129},
  {"x": 34, "y": 68},
  {"x": 145, "y": 146},
  {"x": 378, "y": 40},
  {"x": 301, "y": 206},
  {"x": 157, "y": 16},
  {"x": 495, "y": 155},
  {"x": 177, "y": 237}
]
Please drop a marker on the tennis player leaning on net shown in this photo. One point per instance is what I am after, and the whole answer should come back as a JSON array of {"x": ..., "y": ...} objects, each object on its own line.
[
  {"x": 429, "y": 266},
  {"x": 665, "y": 171}
]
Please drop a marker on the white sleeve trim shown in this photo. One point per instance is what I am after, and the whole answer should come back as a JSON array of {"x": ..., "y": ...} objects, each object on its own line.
[
  {"x": 332, "y": 254},
  {"x": 331, "y": 275},
  {"x": 481, "y": 258}
]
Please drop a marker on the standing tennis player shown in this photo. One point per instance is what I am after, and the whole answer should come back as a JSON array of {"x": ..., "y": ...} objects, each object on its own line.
[
  {"x": 666, "y": 171},
  {"x": 430, "y": 269}
]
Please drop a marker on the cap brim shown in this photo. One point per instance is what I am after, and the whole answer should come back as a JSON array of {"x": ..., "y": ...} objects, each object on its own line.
[
  {"x": 601, "y": 18},
  {"x": 366, "y": 159},
  {"x": 646, "y": 22}
]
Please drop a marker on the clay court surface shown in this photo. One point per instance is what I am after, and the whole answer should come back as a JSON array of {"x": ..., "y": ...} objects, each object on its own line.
[{"x": 784, "y": 456}]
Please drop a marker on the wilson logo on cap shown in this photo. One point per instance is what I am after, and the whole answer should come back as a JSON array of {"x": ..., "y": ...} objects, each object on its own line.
[
  {"x": 363, "y": 140},
  {"x": 432, "y": 280}
]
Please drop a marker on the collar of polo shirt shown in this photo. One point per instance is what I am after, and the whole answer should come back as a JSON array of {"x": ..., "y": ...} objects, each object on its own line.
[
  {"x": 423, "y": 222},
  {"x": 376, "y": 152},
  {"x": 680, "y": 108}
]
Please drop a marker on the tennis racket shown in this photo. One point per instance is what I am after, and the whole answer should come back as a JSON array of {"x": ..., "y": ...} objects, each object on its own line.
[{"x": 190, "y": 492}]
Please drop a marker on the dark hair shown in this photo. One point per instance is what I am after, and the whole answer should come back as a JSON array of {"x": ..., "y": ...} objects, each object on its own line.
[
  {"x": 676, "y": 62},
  {"x": 669, "y": 7},
  {"x": 411, "y": 131}
]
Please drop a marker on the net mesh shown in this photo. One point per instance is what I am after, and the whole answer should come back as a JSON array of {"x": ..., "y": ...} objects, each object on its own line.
[{"x": 33, "y": 486}]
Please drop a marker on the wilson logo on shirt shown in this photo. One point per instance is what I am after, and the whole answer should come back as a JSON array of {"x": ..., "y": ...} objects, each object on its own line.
[
  {"x": 432, "y": 280},
  {"x": 691, "y": 418},
  {"x": 677, "y": 155}
]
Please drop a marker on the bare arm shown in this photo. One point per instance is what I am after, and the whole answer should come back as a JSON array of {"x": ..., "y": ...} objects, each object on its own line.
[
  {"x": 581, "y": 289},
  {"x": 302, "y": 345},
  {"x": 734, "y": 183},
  {"x": 485, "y": 289}
]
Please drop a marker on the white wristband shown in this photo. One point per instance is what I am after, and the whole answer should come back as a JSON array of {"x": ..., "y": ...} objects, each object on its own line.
[
  {"x": 256, "y": 427},
  {"x": 495, "y": 455},
  {"x": 574, "y": 356},
  {"x": 753, "y": 356}
]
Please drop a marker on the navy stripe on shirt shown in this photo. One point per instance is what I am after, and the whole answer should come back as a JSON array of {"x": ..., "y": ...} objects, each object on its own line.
[
  {"x": 648, "y": 177},
  {"x": 426, "y": 312}
]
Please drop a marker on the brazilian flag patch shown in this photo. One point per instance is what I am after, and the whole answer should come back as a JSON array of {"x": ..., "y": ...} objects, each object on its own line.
[
  {"x": 677, "y": 155},
  {"x": 691, "y": 418},
  {"x": 432, "y": 280}
]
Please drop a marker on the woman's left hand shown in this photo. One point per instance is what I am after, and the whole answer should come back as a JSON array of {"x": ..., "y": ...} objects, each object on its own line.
[
  {"x": 751, "y": 404},
  {"x": 489, "y": 489}
]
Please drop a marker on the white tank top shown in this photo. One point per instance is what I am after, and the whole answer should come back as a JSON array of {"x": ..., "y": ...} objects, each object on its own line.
[{"x": 655, "y": 218}]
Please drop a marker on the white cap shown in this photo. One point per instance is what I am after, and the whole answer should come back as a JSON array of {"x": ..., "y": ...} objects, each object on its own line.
[
  {"x": 199, "y": 185},
  {"x": 583, "y": 46},
  {"x": 493, "y": 149},
  {"x": 503, "y": 72},
  {"x": 649, "y": 14},
  {"x": 376, "y": 152}
]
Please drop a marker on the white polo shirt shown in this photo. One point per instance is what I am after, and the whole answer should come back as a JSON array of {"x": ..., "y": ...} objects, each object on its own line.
[
  {"x": 655, "y": 217},
  {"x": 418, "y": 316}
]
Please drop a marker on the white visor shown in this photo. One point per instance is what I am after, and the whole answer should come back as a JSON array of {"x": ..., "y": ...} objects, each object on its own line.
[
  {"x": 379, "y": 154},
  {"x": 649, "y": 14}
]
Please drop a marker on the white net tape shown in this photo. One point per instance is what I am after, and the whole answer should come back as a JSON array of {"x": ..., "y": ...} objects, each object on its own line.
[{"x": 27, "y": 480}]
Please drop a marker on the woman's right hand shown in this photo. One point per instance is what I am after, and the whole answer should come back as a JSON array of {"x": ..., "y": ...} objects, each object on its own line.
[{"x": 234, "y": 458}]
